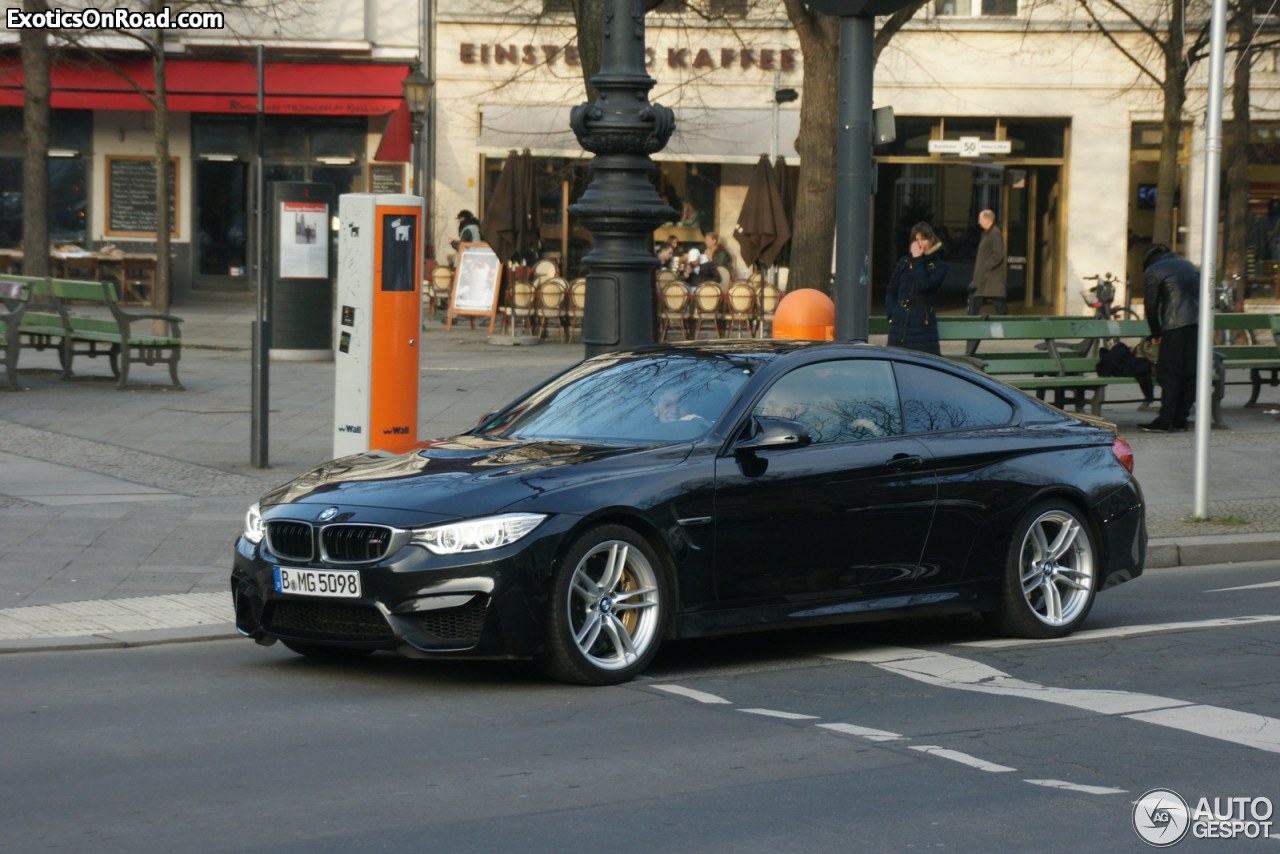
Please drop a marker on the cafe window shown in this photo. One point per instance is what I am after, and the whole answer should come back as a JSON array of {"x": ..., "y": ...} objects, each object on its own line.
[{"x": 70, "y": 135}]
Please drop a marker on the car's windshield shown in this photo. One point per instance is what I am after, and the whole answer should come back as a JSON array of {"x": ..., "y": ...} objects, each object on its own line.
[{"x": 627, "y": 400}]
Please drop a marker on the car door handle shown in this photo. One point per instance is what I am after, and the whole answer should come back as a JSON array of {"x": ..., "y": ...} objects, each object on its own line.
[{"x": 905, "y": 462}]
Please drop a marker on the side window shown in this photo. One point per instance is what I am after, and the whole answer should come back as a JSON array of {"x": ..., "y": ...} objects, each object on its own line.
[
  {"x": 842, "y": 401},
  {"x": 933, "y": 400}
]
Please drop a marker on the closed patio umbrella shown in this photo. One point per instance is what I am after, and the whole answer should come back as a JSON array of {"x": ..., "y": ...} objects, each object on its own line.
[
  {"x": 788, "y": 194},
  {"x": 512, "y": 219},
  {"x": 763, "y": 229}
]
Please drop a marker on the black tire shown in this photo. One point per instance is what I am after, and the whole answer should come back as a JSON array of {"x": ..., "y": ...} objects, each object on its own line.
[
  {"x": 608, "y": 609},
  {"x": 1051, "y": 573},
  {"x": 321, "y": 651}
]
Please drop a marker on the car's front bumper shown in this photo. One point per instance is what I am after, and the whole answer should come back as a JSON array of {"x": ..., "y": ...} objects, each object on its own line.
[{"x": 481, "y": 604}]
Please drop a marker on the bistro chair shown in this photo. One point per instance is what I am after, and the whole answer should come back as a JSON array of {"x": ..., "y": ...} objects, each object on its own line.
[
  {"x": 708, "y": 308},
  {"x": 81, "y": 267},
  {"x": 577, "y": 305},
  {"x": 436, "y": 290},
  {"x": 673, "y": 309},
  {"x": 740, "y": 311},
  {"x": 768, "y": 301},
  {"x": 552, "y": 297},
  {"x": 544, "y": 269},
  {"x": 520, "y": 310},
  {"x": 137, "y": 279}
]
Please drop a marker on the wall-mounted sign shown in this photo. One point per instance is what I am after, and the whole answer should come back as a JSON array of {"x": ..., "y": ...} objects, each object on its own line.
[{"x": 970, "y": 146}]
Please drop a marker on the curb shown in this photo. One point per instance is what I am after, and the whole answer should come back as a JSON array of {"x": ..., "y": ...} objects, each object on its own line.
[{"x": 1163, "y": 553}]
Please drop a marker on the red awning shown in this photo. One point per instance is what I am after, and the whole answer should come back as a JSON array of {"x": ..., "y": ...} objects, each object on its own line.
[
  {"x": 209, "y": 86},
  {"x": 397, "y": 140}
]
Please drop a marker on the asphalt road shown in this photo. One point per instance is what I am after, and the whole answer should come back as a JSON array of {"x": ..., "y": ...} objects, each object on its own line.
[{"x": 889, "y": 737}]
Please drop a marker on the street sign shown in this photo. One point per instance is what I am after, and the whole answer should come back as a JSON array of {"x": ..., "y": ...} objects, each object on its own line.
[{"x": 970, "y": 146}]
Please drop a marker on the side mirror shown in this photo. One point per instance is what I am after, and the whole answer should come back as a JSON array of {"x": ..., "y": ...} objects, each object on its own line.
[{"x": 769, "y": 432}]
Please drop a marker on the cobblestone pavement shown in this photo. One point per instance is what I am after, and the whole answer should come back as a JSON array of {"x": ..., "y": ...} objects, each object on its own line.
[{"x": 118, "y": 508}]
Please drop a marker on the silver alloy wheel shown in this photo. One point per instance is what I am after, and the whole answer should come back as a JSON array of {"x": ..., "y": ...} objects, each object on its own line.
[
  {"x": 1056, "y": 568},
  {"x": 613, "y": 605}
]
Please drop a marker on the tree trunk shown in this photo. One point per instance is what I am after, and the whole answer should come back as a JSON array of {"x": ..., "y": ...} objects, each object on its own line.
[
  {"x": 589, "y": 18},
  {"x": 1237, "y": 156},
  {"x": 35, "y": 166},
  {"x": 813, "y": 227},
  {"x": 1175, "y": 94}
]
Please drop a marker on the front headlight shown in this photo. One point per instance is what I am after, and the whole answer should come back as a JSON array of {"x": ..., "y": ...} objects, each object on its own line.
[
  {"x": 476, "y": 535},
  {"x": 254, "y": 529}
]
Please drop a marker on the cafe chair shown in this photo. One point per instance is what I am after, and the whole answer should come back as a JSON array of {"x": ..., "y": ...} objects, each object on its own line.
[
  {"x": 768, "y": 300},
  {"x": 138, "y": 279},
  {"x": 673, "y": 309},
  {"x": 708, "y": 309},
  {"x": 577, "y": 305},
  {"x": 551, "y": 306},
  {"x": 436, "y": 290},
  {"x": 740, "y": 311},
  {"x": 85, "y": 268},
  {"x": 520, "y": 312}
]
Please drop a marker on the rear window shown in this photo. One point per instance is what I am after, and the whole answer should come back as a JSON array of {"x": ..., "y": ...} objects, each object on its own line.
[{"x": 934, "y": 400}]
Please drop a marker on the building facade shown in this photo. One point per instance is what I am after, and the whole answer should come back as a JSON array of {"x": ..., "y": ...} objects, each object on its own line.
[{"x": 1023, "y": 108}]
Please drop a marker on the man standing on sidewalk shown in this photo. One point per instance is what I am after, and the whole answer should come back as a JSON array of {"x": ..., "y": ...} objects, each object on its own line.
[
  {"x": 990, "y": 267},
  {"x": 1171, "y": 288},
  {"x": 990, "y": 272}
]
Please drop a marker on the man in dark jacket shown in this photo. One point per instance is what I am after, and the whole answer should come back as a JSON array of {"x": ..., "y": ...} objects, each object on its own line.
[{"x": 1172, "y": 293}]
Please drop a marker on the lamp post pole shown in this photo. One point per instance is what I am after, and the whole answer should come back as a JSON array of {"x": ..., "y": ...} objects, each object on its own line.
[
  {"x": 621, "y": 205},
  {"x": 417, "y": 97}
]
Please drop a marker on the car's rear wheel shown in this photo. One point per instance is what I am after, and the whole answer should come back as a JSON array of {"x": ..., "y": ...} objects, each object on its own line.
[
  {"x": 608, "y": 609},
  {"x": 1051, "y": 573},
  {"x": 319, "y": 650}
]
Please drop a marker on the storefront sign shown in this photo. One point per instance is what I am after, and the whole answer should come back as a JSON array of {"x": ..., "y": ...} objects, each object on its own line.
[{"x": 765, "y": 58}]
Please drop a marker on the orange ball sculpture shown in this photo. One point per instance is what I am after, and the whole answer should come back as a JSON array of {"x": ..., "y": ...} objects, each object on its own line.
[{"x": 805, "y": 315}]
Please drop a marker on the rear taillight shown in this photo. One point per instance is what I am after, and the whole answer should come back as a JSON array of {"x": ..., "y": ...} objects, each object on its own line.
[{"x": 1123, "y": 453}]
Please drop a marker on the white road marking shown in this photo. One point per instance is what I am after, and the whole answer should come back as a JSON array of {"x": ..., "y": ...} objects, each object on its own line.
[
  {"x": 1127, "y": 631},
  {"x": 950, "y": 671},
  {"x": 700, "y": 696},
  {"x": 1076, "y": 787},
  {"x": 786, "y": 716},
  {"x": 962, "y": 758},
  {"x": 1246, "y": 587},
  {"x": 1251, "y": 730},
  {"x": 863, "y": 732}
]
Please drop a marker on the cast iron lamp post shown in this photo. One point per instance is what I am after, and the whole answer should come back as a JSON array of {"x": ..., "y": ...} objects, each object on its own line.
[
  {"x": 417, "y": 97},
  {"x": 621, "y": 206}
]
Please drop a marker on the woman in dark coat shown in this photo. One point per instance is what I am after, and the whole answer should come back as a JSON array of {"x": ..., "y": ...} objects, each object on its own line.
[{"x": 909, "y": 297}]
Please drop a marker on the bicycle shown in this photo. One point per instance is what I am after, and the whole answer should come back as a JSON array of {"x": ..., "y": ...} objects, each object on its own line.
[{"x": 1102, "y": 296}]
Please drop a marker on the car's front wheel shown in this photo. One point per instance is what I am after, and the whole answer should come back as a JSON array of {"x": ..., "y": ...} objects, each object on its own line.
[
  {"x": 1051, "y": 573},
  {"x": 608, "y": 609}
]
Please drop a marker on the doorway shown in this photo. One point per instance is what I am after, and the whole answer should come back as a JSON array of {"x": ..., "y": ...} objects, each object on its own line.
[
  {"x": 949, "y": 196},
  {"x": 221, "y": 206}
]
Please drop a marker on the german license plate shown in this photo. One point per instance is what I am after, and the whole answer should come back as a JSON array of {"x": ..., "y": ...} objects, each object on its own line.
[{"x": 336, "y": 584}]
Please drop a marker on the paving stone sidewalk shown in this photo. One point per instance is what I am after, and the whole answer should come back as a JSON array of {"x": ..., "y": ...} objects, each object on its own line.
[{"x": 118, "y": 508}]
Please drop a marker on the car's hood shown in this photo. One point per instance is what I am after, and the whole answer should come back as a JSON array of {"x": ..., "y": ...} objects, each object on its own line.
[{"x": 463, "y": 475}]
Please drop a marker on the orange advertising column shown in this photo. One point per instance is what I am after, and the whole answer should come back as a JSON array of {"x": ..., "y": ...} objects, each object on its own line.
[{"x": 379, "y": 323}]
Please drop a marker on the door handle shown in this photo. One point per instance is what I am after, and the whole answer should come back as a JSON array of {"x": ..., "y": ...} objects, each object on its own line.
[{"x": 905, "y": 462}]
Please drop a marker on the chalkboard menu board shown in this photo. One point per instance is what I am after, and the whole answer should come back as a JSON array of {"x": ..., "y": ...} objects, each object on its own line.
[
  {"x": 386, "y": 178},
  {"x": 131, "y": 196}
]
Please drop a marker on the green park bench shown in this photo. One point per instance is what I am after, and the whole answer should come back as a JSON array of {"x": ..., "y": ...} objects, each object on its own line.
[{"x": 83, "y": 318}]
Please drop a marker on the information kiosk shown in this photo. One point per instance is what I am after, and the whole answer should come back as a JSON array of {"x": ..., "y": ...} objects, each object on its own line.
[{"x": 379, "y": 323}]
